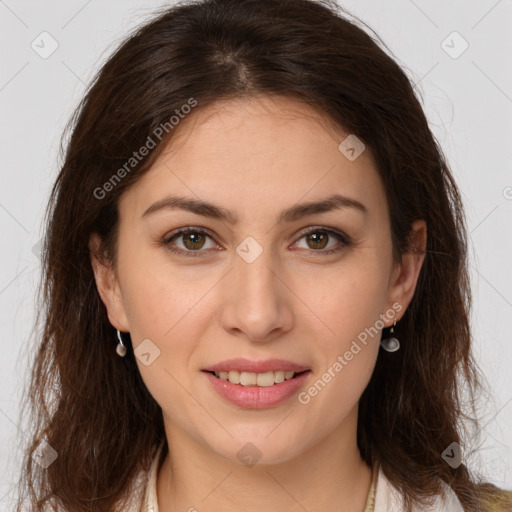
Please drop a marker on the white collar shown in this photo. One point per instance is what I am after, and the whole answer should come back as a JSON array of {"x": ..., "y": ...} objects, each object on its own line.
[{"x": 389, "y": 499}]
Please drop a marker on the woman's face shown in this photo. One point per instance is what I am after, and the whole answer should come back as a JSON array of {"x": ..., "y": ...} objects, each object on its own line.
[{"x": 269, "y": 280}]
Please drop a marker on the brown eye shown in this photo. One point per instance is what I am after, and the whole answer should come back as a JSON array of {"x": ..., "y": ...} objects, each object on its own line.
[
  {"x": 318, "y": 239},
  {"x": 193, "y": 240}
]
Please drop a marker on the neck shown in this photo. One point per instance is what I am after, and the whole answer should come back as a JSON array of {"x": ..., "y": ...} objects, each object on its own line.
[{"x": 330, "y": 475}]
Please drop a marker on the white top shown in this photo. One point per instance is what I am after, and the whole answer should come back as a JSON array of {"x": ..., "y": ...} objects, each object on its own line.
[{"x": 387, "y": 497}]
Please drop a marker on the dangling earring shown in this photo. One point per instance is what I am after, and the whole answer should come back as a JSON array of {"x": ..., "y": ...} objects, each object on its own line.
[
  {"x": 120, "y": 349},
  {"x": 390, "y": 344}
]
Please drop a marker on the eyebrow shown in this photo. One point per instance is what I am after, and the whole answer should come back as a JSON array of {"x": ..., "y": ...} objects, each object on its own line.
[{"x": 294, "y": 213}]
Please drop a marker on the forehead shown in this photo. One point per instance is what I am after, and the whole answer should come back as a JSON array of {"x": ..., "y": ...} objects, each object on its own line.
[
  {"x": 254, "y": 123},
  {"x": 259, "y": 152}
]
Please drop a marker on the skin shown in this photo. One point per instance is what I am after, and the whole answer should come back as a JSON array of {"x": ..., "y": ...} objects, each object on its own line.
[{"x": 256, "y": 157}]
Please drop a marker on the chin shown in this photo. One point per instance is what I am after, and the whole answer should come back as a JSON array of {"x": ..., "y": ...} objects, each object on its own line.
[{"x": 259, "y": 448}]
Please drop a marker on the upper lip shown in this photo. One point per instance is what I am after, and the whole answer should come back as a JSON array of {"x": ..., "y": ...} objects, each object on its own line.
[{"x": 247, "y": 365}]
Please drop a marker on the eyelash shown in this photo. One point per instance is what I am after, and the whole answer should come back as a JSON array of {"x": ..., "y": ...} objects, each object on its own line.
[{"x": 342, "y": 237}]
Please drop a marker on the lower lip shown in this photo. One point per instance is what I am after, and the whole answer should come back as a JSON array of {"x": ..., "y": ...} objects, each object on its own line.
[{"x": 256, "y": 397}]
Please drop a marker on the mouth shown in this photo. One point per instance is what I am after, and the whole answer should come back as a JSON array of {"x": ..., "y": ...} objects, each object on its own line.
[
  {"x": 248, "y": 379},
  {"x": 257, "y": 390}
]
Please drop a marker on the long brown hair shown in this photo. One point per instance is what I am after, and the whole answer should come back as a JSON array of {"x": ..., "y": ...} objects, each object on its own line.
[{"x": 91, "y": 406}]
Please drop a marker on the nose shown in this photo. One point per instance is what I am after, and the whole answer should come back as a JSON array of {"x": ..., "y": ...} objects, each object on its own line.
[{"x": 258, "y": 303}]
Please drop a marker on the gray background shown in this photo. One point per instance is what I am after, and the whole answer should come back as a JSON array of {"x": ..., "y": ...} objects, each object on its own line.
[{"x": 467, "y": 98}]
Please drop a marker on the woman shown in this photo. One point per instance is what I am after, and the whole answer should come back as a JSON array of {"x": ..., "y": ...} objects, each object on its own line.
[{"x": 255, "y": 277}]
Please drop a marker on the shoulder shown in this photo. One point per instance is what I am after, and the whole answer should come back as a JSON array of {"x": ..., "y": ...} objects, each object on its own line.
[{"x": 389, "y": 499}]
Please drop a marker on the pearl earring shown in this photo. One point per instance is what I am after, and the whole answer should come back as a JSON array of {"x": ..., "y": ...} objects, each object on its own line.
[
  {"x": 120, "y": 349},
  {"x": 390, "y": 344}
]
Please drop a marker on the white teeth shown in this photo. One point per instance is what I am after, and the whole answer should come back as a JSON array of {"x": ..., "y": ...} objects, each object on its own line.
[
  {"x": 255, "y": 379},
  {"x": 233, "y": 377},
  {"x": 248, "y": 379},
  {"x": 265, "y": 379},
  {"x": 279, "y": 376}
]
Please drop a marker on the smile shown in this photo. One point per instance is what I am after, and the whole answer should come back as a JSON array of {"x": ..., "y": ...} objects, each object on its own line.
[
  {"x": 249, "y": 394},
  {"x": 256, "y": 379}
]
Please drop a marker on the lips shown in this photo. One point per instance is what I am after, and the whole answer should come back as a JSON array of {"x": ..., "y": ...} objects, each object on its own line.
[
  {"x": 251, "y": 366},
  {"x": 256, "y": 397}
]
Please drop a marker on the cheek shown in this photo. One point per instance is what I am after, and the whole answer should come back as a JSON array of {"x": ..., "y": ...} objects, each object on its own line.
[
  {"x": 156, "y": 295},
  {"x": 348, "y": 304},
  {"x": 162, "y": 309},
  {"x": 347, "y": 365},
  {"x": 338, "y": 390},
  {"x": 166, "y": 306},
  {"x": 347, "y": 300}
]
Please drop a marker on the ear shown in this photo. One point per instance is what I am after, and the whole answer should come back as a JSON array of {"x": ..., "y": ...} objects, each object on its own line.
[
  {"x": 405, "y": 276},
  {"x": 107, "y": 285}
]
